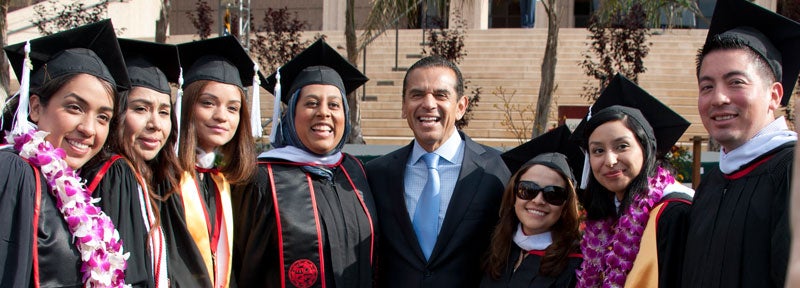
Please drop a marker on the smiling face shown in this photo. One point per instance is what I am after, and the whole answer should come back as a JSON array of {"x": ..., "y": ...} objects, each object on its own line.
[
  {"x": 536, "y": 215},
  {"x": 735, "y": 100},
  {"x": 147, "y": 121},
  {"x": 319, "y": 117},
  {"x": 616, "y": 156},
  {"x": 77, "y": 117},
  {"x": 431, "y": 105},
  {"x": 216, "y": 114}
]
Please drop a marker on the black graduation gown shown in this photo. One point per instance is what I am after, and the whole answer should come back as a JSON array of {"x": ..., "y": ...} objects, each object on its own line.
[
  {"x": 527, "y": 274},
  {"x": 345, "y": 228},
  {"x": 186, "y": 267},
  {"x": 59, "y": 260},
  {"x": 118, "y": 191},
  {"x": 739, "y": 233},
  {"x": 671, "y": 237}
]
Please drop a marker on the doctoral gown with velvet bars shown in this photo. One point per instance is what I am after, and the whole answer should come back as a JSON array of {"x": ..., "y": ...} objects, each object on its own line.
[
  {"x": 118, "y": 191},
  {"x": 345, "y": 227},
  {"x": 527, "y": 274},
  {"x": 739, "y": 233},
  {"x": 58, "y": 261}
]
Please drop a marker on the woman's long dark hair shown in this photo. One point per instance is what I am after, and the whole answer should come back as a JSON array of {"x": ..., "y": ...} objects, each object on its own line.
[
  {"x": 598, "y": 200},
  {"x": 45, "y": 92},
  {"x": 565, "y": 232},
  {"x": 239, "y": 154},
  {"x": 163, "y": 169}
]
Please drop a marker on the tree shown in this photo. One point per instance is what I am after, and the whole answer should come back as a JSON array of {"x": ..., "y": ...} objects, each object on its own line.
[
  {"x": 162, "y": 23},
  {"x": 547, "y": 86},
  {"x": 202, "y": 19},
  {"x": 385, "y": 13},
  {"x": 278, "y": 40},
  {"x": 4, "y": 76},
  {"x": 351, "y": 42},
  {"x": 56, "y": 16},
  {"x": 611, "y": 10},
  {"x": 619, "y": 47}
]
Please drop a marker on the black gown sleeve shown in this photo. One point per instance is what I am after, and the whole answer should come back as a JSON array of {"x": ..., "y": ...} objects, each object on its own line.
[
  {"x": 254, "y": 240},
  {"x": 119, "y": 192},
  {"x": 780, "y": 240},
  {"x": 671, "y": 240},
  {"x": 17, "y": 199}
]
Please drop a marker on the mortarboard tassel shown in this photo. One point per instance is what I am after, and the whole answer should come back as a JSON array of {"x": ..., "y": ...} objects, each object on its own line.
[
  {"x": 276, "y": 108},
  {"x": 586, "y": 164},
  {"x": 255, "y": 116},
  {"x": 178, "y": 99},
  {"x": 21, "y": 123}
]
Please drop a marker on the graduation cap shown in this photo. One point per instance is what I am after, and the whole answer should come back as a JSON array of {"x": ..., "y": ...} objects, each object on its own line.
[
  {"x": 658, "y": 120},
  {"x": 545, "y": 150},
  {"x": 301, "y": 71},
  {"x": 774, "y": 37},
  {"x": 667, "y": 125},
  {"x": 151, "y": 65},
  {"x": 317, "y": 64},
  {"x": 224, "y": 60},
  {"x": 90, "y": 49},
  {"x": 220, "y": 59}
]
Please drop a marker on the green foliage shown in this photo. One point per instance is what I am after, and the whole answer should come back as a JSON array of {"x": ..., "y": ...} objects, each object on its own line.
[
  {"x": 611, "y": 11},
  {"x": 618, "y": 48},
  {"x": 681, "y": 162},
  {"x": 56, "y": 16},
  {"x": 202, "y": 18}
]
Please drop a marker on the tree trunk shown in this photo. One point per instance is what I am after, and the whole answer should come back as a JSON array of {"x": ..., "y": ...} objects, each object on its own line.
[
  {"x": 546, "y": 87},
  {"x": 162, "y": 24},
  {"x": 352, "y": 56},
  {"x": 4, "y": 76}
]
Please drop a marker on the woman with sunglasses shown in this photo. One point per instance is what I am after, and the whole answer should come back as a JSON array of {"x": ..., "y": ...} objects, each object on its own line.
[
  {"x": 636, "y": 212},
  {"x": 536, "y": 242}
]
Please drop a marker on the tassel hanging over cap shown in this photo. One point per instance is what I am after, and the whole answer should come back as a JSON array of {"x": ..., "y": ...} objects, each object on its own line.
[{"x": 276, "y": 108}]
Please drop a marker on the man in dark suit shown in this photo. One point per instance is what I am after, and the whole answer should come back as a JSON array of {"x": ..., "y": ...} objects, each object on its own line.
[{"x": 438, "y": 238}]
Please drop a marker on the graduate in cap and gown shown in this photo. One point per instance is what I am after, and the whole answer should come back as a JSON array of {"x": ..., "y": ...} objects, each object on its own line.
[
  {"x": 54, "y": 234},
  {"x": 635, "y": 210},
  {"x": 536, "y": 241},
  {"x": 739, "y": 233},
  {"x": 308, "y": 220},
  {"x": 216, "y": 149},
  {"x": 126, "y": 181}
]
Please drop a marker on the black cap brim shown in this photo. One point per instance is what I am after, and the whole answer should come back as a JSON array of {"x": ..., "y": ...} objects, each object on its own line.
[
  {"x": 151, "y": 65},
  {"x": 668, "y": 126},
  {"x": 556, "y": 140},
  {"x": 318, "y": 54},
  {"x": 99, "y": 37},
  {"x": 221, "y": 59},
  {"x": 782, "y": 33}
]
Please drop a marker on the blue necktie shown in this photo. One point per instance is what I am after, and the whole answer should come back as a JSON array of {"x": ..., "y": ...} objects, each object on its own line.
[{"x": 426, "y": 217}]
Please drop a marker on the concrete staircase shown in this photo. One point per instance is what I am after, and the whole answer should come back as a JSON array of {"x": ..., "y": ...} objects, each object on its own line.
[{"x": 511, "y": 59}]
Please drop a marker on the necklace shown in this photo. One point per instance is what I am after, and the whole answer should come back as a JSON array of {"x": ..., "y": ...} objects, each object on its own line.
[
  {"x": 92, "y": 230},
  {"x": 610, "y": 246}
]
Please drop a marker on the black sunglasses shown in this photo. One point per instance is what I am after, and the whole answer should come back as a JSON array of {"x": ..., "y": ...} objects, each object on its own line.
[{"x": 555, "y": 195}]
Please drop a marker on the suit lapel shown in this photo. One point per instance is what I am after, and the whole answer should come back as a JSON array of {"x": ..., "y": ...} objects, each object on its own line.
[
  {"x": 397, "y": 196},
  {"x": 463, "y": 193}
]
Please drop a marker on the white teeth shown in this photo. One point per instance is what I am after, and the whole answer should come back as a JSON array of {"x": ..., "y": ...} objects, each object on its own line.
[
  {"x": 429, "y": 118},
  {"x": 537, "y": 212},
  {"x": 322, "y": 128},
  {"x": 726, "y": 117},
  {"x": 78, "y": 144}
]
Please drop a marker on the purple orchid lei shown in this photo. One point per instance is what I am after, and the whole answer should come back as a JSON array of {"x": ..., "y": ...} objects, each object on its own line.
[
  {"x": 610, "y": 246},
  {"x": 93, "y": 232}
]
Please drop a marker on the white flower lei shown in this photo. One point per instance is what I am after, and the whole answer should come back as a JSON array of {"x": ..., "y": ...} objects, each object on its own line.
[{"x": 92, "y": 231}]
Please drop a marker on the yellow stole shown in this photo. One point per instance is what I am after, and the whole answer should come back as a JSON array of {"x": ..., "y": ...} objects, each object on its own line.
[
  {"x": 198, "y": 227},
  {"x": 645, "y": 268}
]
